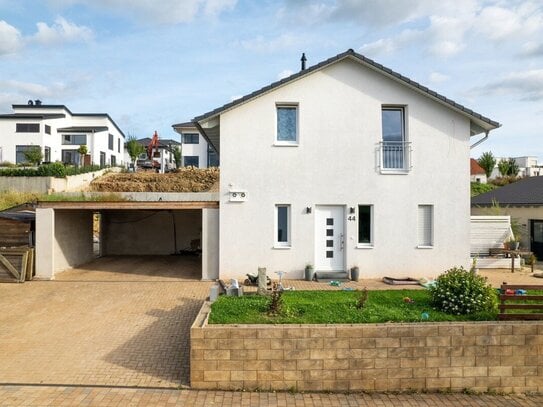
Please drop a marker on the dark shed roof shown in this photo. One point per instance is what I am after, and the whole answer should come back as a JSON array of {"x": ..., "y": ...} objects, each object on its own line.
[{"x": 528, "y": 191}]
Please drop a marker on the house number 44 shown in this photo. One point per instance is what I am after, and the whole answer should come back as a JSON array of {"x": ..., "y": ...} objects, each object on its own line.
[{"x": 351, "y": 217}]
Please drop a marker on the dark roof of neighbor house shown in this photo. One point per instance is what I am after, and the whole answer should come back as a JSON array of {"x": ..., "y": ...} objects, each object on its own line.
[
  {"x": 83, "y": 129},
  {"x": 162, "y": 142},
  {"x": 188, "y": 125},
  {"x": 42, "y": 116},
  {"x": 22, "y": 213},
  {"x": 42, "y": 106},
  {"x": 369, "y": 62},
  {"x": 527, "y": 191},
  {"x": 475, "y": 168}
]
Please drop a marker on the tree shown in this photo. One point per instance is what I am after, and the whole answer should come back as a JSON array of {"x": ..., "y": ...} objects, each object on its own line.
[
  {"x": 513, "y": 167},
  {"x": 34, "y": 155},
  {"x": 176, "y": 151},
  {"x": 82, "y": 150},
  {"x": 134, "y": 149},
  {"x": 503, "y": 167},
  {"x": 487, "y": 163}
]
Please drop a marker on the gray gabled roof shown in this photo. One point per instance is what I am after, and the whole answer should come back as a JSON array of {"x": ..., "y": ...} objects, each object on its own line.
[
  {"x": 369, "y": 62},
  {"x": 528, "y": 191}
]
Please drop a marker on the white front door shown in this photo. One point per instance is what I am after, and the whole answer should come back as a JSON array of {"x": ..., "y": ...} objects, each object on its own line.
[{"x": 329, "y": 238}]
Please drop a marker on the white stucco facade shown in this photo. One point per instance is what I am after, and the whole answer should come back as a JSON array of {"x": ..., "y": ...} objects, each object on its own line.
[
  {"x": 57, "y": 126},
  {"x": 336, "y": 163}
]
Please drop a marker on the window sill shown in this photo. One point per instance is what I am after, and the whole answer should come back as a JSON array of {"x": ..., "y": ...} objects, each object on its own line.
[
  {"x": 395, "y": 172},
  {"x": 364, "y": 246},
  {"x": 276, "y": 247},
  {"x": 425, "y": 247},
  {"x": 285, "y": 144}
]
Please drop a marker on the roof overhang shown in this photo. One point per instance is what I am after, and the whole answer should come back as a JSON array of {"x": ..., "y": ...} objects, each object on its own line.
[
  {"x": 83, "y": 129},
  {"x": 125, "y": 205}
]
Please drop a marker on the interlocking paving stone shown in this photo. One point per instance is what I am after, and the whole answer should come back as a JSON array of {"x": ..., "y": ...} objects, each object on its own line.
[
  {"x": 89, "y": 396},
  {"x": 107, "y": 328}
]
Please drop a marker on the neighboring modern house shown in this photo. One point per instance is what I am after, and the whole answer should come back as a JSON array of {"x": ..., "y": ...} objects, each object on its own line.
[
  {"x": 477, "y": 174},
  {"x": 196, "y": 150},
  {"x": 523, "y": 201},
  {"x": 528, "y": 166},
  {"x": 344, "y": 164},
  {"x": 165, "y": 152},
  {"x": 59, "y": 133}
]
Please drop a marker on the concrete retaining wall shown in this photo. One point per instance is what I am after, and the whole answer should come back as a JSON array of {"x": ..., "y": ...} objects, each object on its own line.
[
  {"x": 44, "y": 185},
  {"x": 497, "y": 356}
]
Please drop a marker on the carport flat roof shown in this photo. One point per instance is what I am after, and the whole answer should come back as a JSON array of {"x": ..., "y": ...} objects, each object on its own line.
[{"x": 99, "y": 205}]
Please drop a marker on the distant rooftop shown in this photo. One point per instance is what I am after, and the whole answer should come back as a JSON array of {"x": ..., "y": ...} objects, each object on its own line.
[{"x": 527, "y": 191}]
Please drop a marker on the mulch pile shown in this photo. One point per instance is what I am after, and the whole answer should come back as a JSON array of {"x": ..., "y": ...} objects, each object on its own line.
[{"x": 186, "y": 179}]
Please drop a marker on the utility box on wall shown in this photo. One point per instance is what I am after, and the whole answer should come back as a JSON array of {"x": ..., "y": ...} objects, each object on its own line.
[{"x": 238, "y": 195}]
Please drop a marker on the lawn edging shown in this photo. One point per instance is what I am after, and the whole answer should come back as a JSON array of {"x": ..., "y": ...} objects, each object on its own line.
[{"x": 479, "y": 356}]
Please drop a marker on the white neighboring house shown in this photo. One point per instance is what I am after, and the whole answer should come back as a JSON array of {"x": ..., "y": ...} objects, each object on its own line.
[
  {"x": 528, "y": 166},
  {"x": 196, "y": 150},
  {"x": 60, "y": 133},
  {"x": 165, "y": 154},
  {"x": 344, "y": 164}
]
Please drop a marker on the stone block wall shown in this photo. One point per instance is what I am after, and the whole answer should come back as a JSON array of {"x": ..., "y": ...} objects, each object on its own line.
[{"x": 481, "y": 356}]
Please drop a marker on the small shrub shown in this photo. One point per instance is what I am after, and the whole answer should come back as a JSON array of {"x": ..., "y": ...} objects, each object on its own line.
[
  {"x": 275, "y": 305},
  {"x": 363, "y": 297},
  {"x": 52, "y": 170},
  {"x": 7, "y": 164},
  {"x": 461, "y": 292}
]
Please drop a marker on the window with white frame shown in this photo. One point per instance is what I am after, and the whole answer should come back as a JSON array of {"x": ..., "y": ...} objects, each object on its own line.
[
  {"x": 426, "y": 226},
  {"x": 365, "y": 225},
  {"x": 282, "y": 225},
  {"x": 287, "y": 124}
]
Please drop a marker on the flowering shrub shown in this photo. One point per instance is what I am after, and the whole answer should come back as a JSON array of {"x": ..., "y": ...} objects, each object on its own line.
[{"x": 461, "y": 292}]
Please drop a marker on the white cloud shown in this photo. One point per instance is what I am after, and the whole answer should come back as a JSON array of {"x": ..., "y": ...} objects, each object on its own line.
[
  {"x": 285, "y": 73},
  {"x": 527, "y": 86},
  {"x": 156, "y": 12},
  {"x": 19, "y": 91},
  {"x": 436, "y": 77},
  {"x": 390, "y": 45},
  {"x": 10, "y": 38},
  {"x": 532, "y": 48},
  {"x": 61, "y": 31},
  {"x": 264, "y": 45}
]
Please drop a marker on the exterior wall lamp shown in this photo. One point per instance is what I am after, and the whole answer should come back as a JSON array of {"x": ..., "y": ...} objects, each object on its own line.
[
  {"x": 351, "y": 210},
  {"x": 308, "y": 209}
]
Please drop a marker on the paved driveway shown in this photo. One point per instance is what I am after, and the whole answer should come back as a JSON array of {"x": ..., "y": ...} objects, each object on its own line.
[{"x": 102, "y": 327}]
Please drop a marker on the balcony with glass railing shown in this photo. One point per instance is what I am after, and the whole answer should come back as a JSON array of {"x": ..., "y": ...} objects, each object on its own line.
[{"x": 395, "y": 156}]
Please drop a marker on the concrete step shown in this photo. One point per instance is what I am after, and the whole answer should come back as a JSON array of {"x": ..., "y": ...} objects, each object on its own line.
[{"x": 326, "y": 276}]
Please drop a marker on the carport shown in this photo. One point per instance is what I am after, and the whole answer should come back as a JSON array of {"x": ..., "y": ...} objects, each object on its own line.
[{"x": 187, "y": 232}]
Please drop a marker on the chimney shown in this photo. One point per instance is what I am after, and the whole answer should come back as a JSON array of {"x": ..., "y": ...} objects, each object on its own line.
[{"x": 303, "y": 59}]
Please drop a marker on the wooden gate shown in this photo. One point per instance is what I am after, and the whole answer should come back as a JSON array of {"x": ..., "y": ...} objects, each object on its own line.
[{"x": 16, "y": 264}]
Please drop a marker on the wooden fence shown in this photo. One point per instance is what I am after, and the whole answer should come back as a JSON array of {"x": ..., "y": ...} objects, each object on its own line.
[{"x": 530, "y": 304}]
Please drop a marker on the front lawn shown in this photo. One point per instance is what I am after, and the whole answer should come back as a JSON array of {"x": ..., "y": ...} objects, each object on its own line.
[{"x": 335, "y": 307}]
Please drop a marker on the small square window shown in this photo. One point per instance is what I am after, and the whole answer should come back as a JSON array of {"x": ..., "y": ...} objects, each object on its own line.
[
  {"x": 330, "y": 221},
  {"x": 329, "y": 243},
  {"x": 329, "y": 232},
  {"x": 329, "y": 254},
  {"x": 365, "y": 224}
]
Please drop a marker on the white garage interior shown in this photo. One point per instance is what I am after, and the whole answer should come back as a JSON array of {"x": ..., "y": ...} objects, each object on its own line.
[{"x": 186, "y": 232}]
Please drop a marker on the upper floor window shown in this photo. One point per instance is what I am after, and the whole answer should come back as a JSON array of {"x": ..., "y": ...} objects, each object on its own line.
[
  {"x": 27, "y": 127},
  {"x": 191, "y": 138},
  {"x": 287, "y": 124},
  {"x": 119, "y": 145},
  {"x": 110, "y": 142},
  {"x": 212, "y": 157},
  {"x": 47, "y": 129},
  {"x": 395, "y": 150},
  {"x": 77, "y": 139}
]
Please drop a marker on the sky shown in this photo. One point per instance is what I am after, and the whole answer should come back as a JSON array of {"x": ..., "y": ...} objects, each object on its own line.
[{"x": 153, "y": 63}]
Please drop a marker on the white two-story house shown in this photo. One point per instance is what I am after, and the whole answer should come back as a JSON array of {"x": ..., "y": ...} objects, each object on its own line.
[
  {"x": 344, "y": 164},
  {"x": 196, "y": 151},
  {"x": 59, "y": 133}
]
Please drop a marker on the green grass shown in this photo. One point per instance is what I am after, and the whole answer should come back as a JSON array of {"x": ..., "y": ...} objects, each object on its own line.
[
  {"x": 334, "y": 307},
  {"x": 9, "y": 199}
]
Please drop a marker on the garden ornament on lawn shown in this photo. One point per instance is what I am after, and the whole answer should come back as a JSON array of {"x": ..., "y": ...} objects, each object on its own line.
[
  {"x": 280, "y": 286},
  {"x": 425, "y": 316}
]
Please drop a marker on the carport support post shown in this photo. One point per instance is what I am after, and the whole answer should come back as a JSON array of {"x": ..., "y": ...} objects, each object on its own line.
[
  {"x": 210, "y": 244},
  {"x": 45, "y": 243}
]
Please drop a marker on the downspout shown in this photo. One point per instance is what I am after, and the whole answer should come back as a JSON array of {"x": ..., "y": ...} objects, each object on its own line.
[{"x": 479, "y": 141}]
